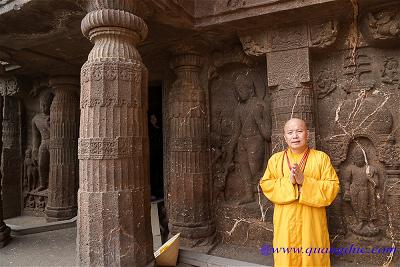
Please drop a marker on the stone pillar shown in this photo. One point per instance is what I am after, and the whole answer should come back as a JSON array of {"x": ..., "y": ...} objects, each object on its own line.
[
  {"x": 11, "y": 161},
  {"x": 289, "y": 77},
  {"x": 64, "y": 123},
  {"x": 114, "y": 199},
  {"x": 189, "y": 154},
  {"x": 11, "y": 150},
  {"x": 4, "y": 229}
]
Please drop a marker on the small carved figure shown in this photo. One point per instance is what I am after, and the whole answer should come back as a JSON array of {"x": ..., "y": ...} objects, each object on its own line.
[
  {"x": 326, "y": 82},
  {"x": 250, "y": 129},
  {"x": 220, "y": 173},
  {"x": 361, "y": 183},
  {"x": 41, "y": 139},
  {"x": 385, "y": 23},
  {"x": 31, "y": 202},
  {"x": 30, "y": 171},
  {"x": 390, "y": 74},
  {"x": 41, "y": 203}
]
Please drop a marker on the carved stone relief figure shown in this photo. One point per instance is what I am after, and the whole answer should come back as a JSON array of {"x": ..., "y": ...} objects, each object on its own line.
[
  {"x": 40, "y": 140},
  {"x": 385, "y": 23},
  {"x": 390, "y": 73},
  {"x": 250, "y": 129},
  {"x": 361, "y": 185},
  {"x": 323, "y": 34},
  {"x": 30, "y": 171},
  {"x": 326, "y": 82},
  {"x": 218, "y": 157}
]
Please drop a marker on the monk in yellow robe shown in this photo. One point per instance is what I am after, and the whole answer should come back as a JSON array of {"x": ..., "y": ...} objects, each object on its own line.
[{"x": 301, "y": 182}]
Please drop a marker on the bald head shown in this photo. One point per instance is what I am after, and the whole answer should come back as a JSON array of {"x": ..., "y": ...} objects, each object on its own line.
[
  {"x": 296, "y": 135},
  {"x": 295, "y": 121}
]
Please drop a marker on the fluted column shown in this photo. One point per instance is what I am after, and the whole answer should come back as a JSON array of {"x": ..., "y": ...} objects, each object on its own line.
[
  {"x": 189, "y": 200},
  {"x": 4, "y": 229},
  {"x": 64, "y": 121},
  {"x": 114, "y": 226}
]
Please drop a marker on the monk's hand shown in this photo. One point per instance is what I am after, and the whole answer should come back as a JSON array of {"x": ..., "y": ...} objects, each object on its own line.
[
  {"x": 292, "y": 176},
  {"x": 298, "y": 174}
]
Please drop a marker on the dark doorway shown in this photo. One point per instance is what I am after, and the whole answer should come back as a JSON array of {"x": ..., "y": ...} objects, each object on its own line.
[{"x": 156, "y": 141}]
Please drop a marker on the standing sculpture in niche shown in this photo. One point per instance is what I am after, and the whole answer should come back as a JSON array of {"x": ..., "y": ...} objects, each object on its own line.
[
  {"x": 361, "y": 183},
  {"x": 250, "y": 131},
  {"x": 41, "y": 140},
  {"x": 30, "y": 171}
]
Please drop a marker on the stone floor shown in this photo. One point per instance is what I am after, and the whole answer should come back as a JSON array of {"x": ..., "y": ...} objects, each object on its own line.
[
  {"x": 33, "y": 246},
  {"x": 54, "y": 248},
  {"x": 57, "y": 248}
]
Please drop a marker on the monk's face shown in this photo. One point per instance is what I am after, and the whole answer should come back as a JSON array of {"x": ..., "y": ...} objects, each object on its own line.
[{"x": 296, "y": 135}]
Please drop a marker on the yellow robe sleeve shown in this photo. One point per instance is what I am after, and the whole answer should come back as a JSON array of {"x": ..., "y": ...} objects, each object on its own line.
[
  {"x": 278, "y": 189},
  {"x": 320, "y": 192}
]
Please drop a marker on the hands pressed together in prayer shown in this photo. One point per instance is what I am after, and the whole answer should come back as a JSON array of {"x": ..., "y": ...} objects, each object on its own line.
[{"x": 296, "y": 176}]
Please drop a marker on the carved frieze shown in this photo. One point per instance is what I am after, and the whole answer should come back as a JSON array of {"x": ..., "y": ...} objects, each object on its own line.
[
  {"x": 101, "y": 74},
  {"x": 109, "y": 148}
]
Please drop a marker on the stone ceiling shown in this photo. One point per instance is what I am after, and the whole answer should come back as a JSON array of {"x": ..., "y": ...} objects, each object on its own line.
[{"x": 44, "y": 36}]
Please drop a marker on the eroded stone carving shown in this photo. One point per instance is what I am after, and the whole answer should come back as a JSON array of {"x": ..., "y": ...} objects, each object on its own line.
[
  {"x": 326, "y": 82},
  {"x": 254, "y": 43},
  {"x": 41, "y": 140},
  {"x": 384, "y": 24},
  {"x": 359, "y": 67},
  {"x": 30, "y": 171},
  {"x": 323, "y": 34},
  {"x": 390, "y": 72},
  {"x": 361, "y": 185},
  {"x": 251, "y": 128}
]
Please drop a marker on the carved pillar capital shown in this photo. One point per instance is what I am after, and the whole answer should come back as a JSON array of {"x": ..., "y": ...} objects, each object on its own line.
[
  {"x": 313, "y": 34},
  {"x": 114, "y": 32},
  {"x": 189, "y": 59}
]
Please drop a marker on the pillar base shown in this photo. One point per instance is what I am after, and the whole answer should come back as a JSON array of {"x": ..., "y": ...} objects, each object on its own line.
[
  {"x": 199, "y": 238},
  {"x": 60, "y": 214},
  {"x": 112, "y": 229},
  {"x": 4, "y": 234}
]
